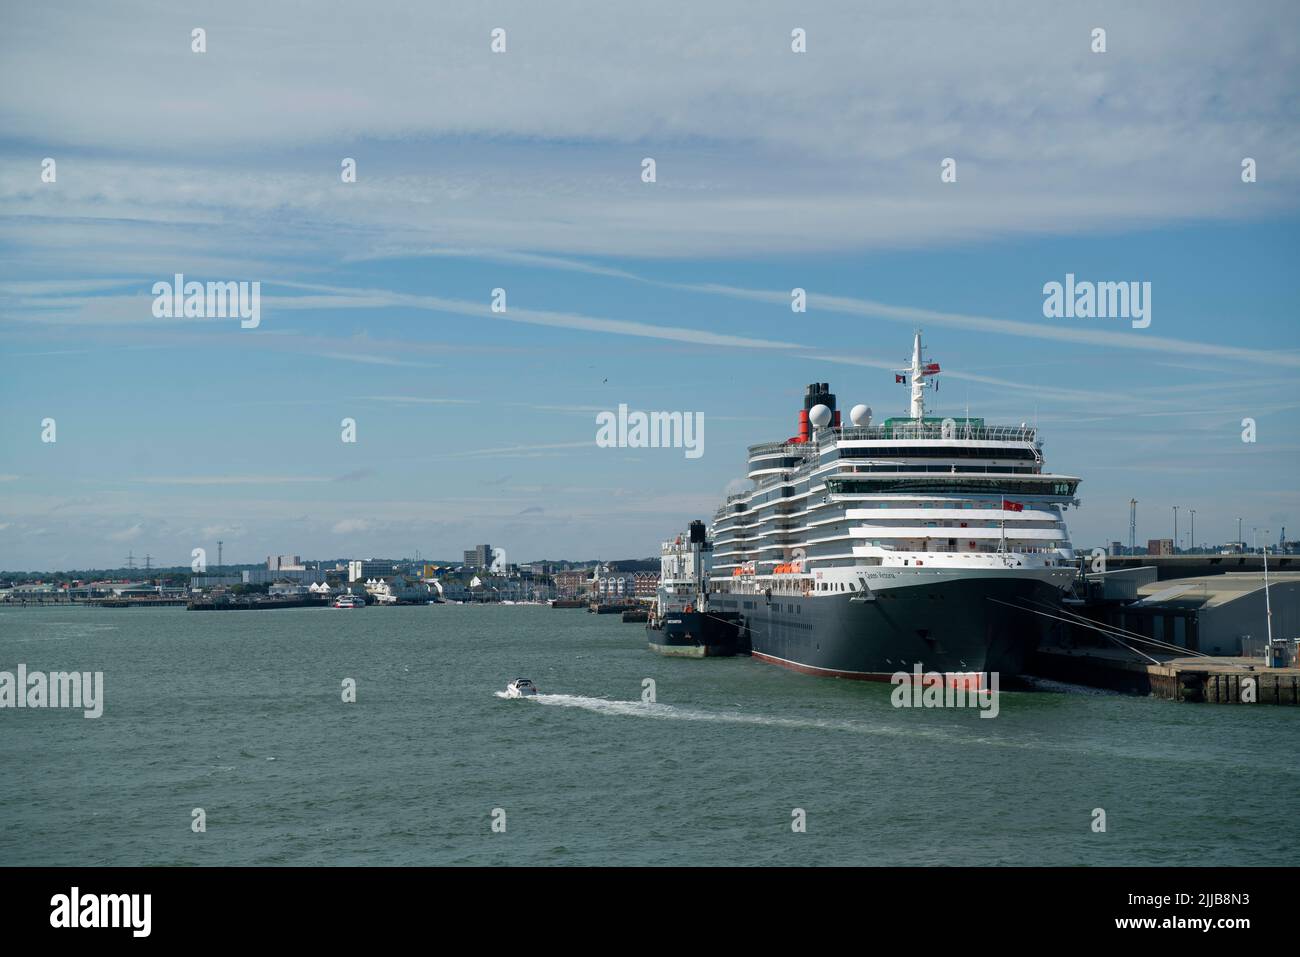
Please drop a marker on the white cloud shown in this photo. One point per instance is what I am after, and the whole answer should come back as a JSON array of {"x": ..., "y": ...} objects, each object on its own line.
[
  {"x": 130, "y": 309},
  {"x": 231, "y": 479},
  {"x": 417, "y": 400},
  {"x": 350, "y": 526},
  {"x": 374, "y": 360},
  {"x": 511, "y": 451},
  {"x": 537, "y": 151}
]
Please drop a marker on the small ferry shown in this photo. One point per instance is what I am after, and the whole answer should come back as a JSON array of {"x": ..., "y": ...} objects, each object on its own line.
[{"x": 349, "y": 601}]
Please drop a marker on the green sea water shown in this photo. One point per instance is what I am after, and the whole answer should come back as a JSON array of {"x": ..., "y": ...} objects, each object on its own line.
[{"x": 241, "y": 714}]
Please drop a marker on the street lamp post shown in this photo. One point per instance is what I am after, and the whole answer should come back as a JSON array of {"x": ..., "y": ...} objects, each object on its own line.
[
  {"x": 1192, "y": 534},
  {"x": 1175, "y": 529}
]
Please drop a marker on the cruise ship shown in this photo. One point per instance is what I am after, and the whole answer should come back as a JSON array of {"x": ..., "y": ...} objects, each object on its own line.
[{"x": 863, "y": 550}]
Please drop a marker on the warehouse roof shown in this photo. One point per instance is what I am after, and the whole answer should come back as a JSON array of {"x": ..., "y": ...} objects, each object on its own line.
[{"x": 1210, "y": 590}]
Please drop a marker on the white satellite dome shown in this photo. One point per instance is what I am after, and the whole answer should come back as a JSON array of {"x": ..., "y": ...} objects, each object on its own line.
[
  {"x": 820, "y": 416},
  {"x": 860, "y": 415}
]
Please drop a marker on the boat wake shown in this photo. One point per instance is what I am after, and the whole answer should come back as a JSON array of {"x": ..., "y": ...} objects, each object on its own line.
[
  {"x": 946, "y": 734},
  {"x": 668, "y": 712}
]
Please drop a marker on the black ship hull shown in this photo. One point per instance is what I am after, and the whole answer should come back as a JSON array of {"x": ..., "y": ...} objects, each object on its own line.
[
  {"x": 696, "y": 634},
  {"x": 974, "y": 624}
]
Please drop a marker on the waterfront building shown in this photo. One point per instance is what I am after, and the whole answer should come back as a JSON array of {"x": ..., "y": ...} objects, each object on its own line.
[
  {"x": 646, "y": 584},
  {"x": 569, "y": 584},
  {"x": 612, "y": 584},
  {"x": 261, "y": 576},
  {"x": 215, "y": 581},
  {"x": 1216, "y": 614},
  {"x": 398, "y": 588},
  {"x": 1160, "y": 546},
  {"x": 361, "y": 569},
  {"x": 288, "y": 589}
]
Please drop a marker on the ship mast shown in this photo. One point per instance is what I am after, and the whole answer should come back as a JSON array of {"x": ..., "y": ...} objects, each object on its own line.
[
  {"x": 918, "y": 380},
  {"x": 922, "y": 375}
]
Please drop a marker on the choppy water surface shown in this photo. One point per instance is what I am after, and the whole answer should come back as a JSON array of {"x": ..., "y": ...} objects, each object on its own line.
[{"x": 241, "y": 715}]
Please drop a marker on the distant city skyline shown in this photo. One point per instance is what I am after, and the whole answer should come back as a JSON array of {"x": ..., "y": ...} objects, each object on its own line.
[{"x": 774, "y": 171}]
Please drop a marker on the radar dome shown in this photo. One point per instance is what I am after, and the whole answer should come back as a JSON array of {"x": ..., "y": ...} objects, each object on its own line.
[
  {"x": 820, "y": 416},
  {"x": 860, "y": 415}
]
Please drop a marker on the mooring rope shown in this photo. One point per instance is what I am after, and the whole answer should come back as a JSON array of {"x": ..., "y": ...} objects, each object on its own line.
[
  {"x": 1068, "y": 622},
  {"x": 1134, "y": 635}
]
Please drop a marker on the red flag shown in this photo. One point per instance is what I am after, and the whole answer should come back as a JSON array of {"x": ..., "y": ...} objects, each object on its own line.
[{"x": 900, "y": 378}]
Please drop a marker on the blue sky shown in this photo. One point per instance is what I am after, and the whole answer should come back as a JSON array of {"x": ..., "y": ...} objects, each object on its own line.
[{"x": 522, "y": 171}]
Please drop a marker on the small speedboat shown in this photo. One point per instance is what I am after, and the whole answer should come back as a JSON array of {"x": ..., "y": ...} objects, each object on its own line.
[{"x": 520, "y": 688}]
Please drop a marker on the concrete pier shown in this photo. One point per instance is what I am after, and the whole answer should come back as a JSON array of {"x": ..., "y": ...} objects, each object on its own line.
[{"x": 1216, "y": 680}]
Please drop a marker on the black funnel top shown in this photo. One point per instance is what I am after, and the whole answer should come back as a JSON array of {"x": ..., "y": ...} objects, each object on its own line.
[{"x": 819, "y": 393}]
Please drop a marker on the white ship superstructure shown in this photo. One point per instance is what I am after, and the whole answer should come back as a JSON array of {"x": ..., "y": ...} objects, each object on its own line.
[
  {"x": 867, "y": 512},
  {"x": 685, "y": 565},
  {"x": 684, "y": 622}
]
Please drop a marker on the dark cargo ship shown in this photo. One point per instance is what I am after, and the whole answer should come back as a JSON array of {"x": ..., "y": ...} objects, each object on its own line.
[{"x": 684, "y": 623}]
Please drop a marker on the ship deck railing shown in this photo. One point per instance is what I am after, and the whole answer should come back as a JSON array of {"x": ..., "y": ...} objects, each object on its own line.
[
  {"x": 983, "y": 433},
  {"x": 895, "y": 471},
  {"x": 928, "y": 431}
]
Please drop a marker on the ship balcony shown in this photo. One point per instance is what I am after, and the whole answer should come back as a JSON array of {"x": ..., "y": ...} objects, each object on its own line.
[
  {"x": 954, "y": 517},
  {"x": 847, "y": 468},
  {"x": 983, "y": 533}
]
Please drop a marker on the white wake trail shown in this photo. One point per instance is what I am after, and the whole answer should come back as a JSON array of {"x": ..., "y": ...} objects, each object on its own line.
[
  {"x": 641, "y": 709},
  {"x": 667, "y": 712}
]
